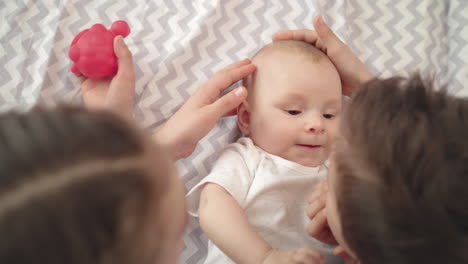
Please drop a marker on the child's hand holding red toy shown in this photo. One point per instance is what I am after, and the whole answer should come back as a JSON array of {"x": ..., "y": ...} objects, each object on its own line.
[
  {"x": 92, "y": 50},
  {"x": 114, "y": 93}
]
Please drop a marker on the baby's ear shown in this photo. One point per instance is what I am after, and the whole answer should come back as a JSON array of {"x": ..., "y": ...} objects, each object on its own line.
[{"x": 243, "y": 118}]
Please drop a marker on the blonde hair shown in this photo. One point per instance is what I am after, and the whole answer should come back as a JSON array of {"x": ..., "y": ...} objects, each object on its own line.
[{"x": 294, "y": 47}]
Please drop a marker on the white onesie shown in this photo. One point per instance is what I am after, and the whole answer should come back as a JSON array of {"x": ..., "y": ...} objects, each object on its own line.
[{"x": 272, "y": 192}]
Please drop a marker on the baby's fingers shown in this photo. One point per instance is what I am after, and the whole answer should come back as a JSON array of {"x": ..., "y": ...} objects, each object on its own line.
[
  {"x": 319, "y": 190},
  {"x": 317, "y": 224},
  {"x": 308, "y": 255},
  {"x": 314, "y": 208}
]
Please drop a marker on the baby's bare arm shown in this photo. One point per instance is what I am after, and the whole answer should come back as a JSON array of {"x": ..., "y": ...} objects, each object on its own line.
[
  {"x": 226, "y": 225},
  {"x": 224, "y": 222}
]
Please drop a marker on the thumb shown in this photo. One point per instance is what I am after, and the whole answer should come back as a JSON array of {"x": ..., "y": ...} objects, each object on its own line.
[
  {"x": 226, "y": 104},
  {"x": 325, "y": 34},
  {"x": 122, "y": 87},
  {"x": 124, "y": 57}
]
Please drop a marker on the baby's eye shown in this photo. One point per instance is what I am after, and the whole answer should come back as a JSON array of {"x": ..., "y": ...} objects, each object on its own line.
[
  {"x": 328, "y": 116},
  {"x": 294, "y": 112}
]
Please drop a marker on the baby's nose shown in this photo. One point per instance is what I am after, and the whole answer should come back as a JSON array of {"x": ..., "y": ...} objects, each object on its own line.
[{"x": 314, "y": 126}]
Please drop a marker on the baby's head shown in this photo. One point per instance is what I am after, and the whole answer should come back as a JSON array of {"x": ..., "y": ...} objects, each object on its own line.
[
  {"x": 85, "y": 187},
  {"x": 294, "y": 102},
  {"x": 398, "y": 183}
]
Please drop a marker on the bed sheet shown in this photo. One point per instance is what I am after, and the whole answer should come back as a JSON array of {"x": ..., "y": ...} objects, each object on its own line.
[{"x": 179, "y": 44}]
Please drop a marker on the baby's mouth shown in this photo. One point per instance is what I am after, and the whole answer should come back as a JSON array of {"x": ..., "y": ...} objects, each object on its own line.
[{"x": 309, "y": 146}]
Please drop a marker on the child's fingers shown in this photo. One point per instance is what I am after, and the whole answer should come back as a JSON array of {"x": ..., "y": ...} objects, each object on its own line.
[
  {"x": 80, "y": 77},
  {"x": 306, "y": 35},
  {"x": 125, "y": 59},
  {"x": 121, "y": 49},
  {"x": 328, "y": 40},
  {"x": 237, "y": 65},
  {"x": 226, "y": 77},
  {"x": 209, "y": 92},
  {"x": 231, "y": 112},
  {"x": 123, "y": 84},
  {"x": 282, "y": 35},
  {"x": 319, "y": 44},
  {"x": 340, "y": 252},
  {"x": 229, "y": 102}
]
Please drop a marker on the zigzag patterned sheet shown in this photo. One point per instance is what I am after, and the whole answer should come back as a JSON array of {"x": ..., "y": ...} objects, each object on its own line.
[{"x": 179, "y": 44}]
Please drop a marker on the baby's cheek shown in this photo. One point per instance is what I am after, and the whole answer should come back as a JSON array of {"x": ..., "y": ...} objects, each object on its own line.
[
  {"x": 273, "y": 137},
  {"x": 334, "y": 129}
]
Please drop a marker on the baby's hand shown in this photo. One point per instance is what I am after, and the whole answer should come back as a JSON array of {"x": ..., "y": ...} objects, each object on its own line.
[
  {"x": 318, "y": 225},
  {"x": 303, "y": 255}
]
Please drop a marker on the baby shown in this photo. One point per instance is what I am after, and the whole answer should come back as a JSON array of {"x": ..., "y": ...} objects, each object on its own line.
[{"x": 252, "y": 204}]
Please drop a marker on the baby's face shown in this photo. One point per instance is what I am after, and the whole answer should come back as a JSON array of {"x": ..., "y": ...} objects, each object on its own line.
[{"x": 295, "y": 108}]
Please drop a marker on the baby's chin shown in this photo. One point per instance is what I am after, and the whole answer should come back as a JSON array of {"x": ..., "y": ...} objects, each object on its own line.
[{"x": 311, "y": 161}]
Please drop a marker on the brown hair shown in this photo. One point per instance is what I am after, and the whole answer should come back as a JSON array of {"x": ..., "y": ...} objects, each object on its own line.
[
  {"x": 402, "y": 170},
  {"x": 74, "y": 188}
]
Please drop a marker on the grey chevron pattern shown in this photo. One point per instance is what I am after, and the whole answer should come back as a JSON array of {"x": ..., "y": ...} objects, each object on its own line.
[
  {"x": 458, "y": 47},
  {"x": 178, "y": 45}
]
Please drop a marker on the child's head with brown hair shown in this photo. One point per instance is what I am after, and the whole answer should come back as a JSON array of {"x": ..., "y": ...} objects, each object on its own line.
[
  {"x": 85, "y": 187},
  {"x": 294, "y": 102},
  {"x": 398, "y": 190}
]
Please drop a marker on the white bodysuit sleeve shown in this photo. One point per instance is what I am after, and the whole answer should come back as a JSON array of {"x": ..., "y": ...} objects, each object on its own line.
[{"x": 231, "y": 171}]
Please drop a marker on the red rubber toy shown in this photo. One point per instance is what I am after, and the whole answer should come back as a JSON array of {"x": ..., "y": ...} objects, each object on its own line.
[{"x": 92, "y": 50}]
